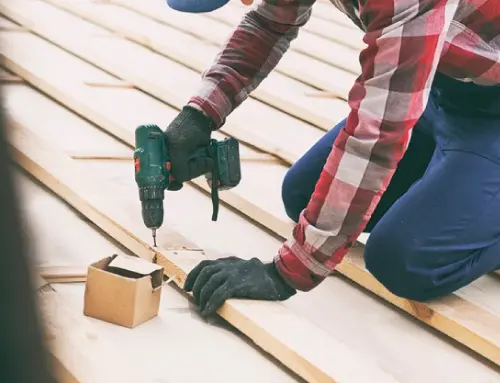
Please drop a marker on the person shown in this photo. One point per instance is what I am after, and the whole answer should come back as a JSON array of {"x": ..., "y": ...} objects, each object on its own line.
[{"x": 416, "y": 163}]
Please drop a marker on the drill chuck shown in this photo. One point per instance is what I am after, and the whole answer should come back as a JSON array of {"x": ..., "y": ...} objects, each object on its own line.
[
  {"x": 152, "y": 205},
  {"x": 152, "y": 213}
]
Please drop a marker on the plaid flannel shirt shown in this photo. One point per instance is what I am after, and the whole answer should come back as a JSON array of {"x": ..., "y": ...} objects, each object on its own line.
[{"x": 407, "y": 41}]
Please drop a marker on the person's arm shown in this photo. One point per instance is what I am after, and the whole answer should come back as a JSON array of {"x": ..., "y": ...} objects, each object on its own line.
[
  {"x": 404, "y": 41},
  {"x": 250, "y": 54}
]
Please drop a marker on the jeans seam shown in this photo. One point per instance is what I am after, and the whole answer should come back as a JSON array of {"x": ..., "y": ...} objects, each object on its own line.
[{"x": 496, "y": 162}]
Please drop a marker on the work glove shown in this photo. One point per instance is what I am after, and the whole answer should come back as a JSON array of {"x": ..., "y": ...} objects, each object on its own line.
[
  {"x": 213, "y": 282},
  {"x": 187, "y": 133}
]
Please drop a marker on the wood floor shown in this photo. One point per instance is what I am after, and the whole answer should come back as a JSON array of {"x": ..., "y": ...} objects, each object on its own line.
[{"x": 80, "y": 76}]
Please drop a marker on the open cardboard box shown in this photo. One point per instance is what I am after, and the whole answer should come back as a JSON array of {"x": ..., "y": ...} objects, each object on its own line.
[{"x": 123, "y": 290}]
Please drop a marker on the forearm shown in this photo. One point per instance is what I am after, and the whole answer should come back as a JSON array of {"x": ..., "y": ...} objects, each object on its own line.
[{"x": 250, "y": 54}]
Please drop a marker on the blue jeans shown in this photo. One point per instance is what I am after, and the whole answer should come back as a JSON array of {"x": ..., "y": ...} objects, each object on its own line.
[{"x": 437, "y": 226}]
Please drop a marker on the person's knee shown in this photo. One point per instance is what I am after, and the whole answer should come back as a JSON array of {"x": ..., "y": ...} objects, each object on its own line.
[
  {"x": 292, "y": 195},
  {"x": 391, "y": 260}
]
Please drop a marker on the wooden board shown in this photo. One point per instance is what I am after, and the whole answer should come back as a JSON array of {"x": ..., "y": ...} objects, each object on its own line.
[
  {"x": 277, "y": 90},
  {"x": 79, "y": 355},
  {"x": 339, "y": 50},
  {"x": 268, "y": 324},
  {"x": 338, "y": 27},
  {"x": 336, "y": 305},
  {"x": 63, "y": 274},
  {"x": 443, "y": 316},
  {"x": 325, "y": 11}
]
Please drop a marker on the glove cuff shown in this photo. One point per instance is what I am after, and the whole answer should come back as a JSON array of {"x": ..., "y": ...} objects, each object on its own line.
[
  {"x": 285, "y": 291},
  {"x": 200, "y": 118}
]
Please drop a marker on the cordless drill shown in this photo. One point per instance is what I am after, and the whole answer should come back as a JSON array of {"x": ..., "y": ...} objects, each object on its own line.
[{"x": 153, "y": 169}]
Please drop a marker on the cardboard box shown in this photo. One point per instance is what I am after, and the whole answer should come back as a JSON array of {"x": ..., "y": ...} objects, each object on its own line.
[{"x": 123, "y": 290}]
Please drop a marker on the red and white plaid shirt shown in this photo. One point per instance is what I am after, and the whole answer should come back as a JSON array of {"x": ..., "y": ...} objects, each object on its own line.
[{"x": 407, "y": 41}]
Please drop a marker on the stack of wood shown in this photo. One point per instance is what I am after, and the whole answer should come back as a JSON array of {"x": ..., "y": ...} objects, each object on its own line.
[{"x": 78, "y": 78}]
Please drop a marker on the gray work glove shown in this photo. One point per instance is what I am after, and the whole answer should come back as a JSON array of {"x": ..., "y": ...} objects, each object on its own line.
[
  {"x": 213, "y": 282},
  {"x": 188, "y": 132}
]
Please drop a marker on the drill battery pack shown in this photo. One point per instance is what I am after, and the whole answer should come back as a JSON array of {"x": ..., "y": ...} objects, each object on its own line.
[{"x": 227, "y": 169}]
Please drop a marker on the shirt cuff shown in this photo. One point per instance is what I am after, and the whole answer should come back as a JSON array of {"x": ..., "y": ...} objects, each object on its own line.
[
  {"x": 294, "y": 272},
  {"x": 212, "y": 101}
]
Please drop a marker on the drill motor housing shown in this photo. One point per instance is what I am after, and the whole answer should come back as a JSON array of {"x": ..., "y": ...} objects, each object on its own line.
[{"x": 153, "y": 169}]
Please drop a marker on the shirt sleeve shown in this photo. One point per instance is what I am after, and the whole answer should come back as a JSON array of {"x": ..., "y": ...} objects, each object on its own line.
[
  {"x": 249, "y": 55},
  {"x": 404, "y": 41}
]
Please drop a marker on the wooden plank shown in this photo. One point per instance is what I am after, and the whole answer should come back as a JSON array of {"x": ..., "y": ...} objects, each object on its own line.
[
  {"x": 259, "y": 157},
  {"x": 71, "y": 340},
  {"x": 9, "y": 79},
  {"x": 339, "y": 40},
  {"x": 63, "y": 274},
  {"x": 268, "y": 324},
  {"x": 462, "y": 326},
  {"x": 92, "y": 157},
  {"x": 109, "y": 84},
  {"x": 14, "y": 28},
  {"x": 327, "y": 22},
  {"x": 326, "y": 11},
  {"x": 62, "y": 374},
  {"x": 76, "y": 138},
  {"x": 46, "y": 293},
  {"x": 277, "y": 90}
]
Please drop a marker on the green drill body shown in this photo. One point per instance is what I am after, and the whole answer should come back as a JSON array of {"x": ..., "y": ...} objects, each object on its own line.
[{"x": 153, "y": 170}]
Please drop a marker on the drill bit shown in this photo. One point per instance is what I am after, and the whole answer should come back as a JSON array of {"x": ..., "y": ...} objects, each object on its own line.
[{"x": 154, "y": 236}]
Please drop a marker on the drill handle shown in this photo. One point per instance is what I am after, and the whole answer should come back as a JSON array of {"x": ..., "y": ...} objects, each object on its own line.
[{"x": 204, "y": 152}]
